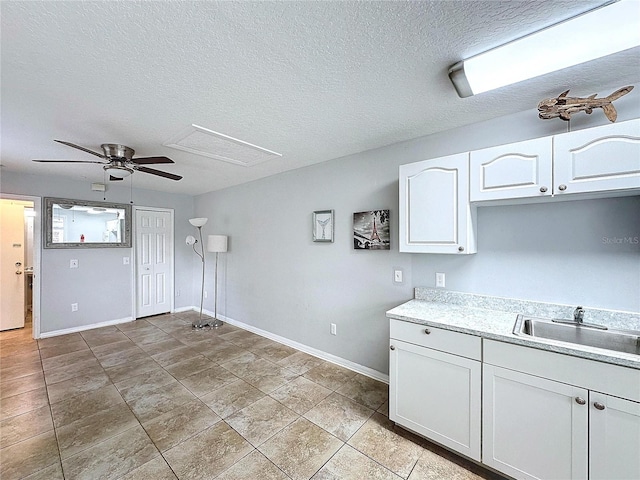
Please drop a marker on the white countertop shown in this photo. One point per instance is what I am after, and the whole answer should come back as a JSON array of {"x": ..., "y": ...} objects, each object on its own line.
[{"x": 497, "y": 325}]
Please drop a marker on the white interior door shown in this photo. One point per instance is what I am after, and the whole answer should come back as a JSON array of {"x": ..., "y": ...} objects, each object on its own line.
[
  {"x": 154, "y": 259},
  {"x": 12, "y": 264}
]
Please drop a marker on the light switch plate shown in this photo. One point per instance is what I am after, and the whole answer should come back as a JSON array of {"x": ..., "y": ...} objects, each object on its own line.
[
  {"x": 125, "y": 260},
  {"x": 73, "y": 263},
  {"x": 440, "y": 280},
  {"x": 398, "y": 275}
]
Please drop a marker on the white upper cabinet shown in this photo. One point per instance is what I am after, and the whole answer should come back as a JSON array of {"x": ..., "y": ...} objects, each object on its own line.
[
  {"x": 516, "y": 170},
  {"x": 435, "y": 214},
  {"x": 598, "y": 159}
]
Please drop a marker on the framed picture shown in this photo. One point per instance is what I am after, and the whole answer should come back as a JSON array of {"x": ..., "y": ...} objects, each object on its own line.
[
  {"x": 371, "y": 230},
  {"x": 322, "y": 226}
]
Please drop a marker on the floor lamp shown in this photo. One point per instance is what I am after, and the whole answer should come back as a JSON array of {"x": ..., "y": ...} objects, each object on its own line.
[
  {"x": 198, "y": 223},
  {"x": 217, "y": 244}
]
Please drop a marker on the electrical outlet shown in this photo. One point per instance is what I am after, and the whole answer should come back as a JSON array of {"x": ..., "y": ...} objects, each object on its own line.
[
  {"x": 440, "y": 281},
  {"x": 125, "y": 260},
  {"x": 205, "y": 294},
  {"x": 74, "y": 307},
  {"x": 73, "y": 263},
  {"x": 397, "y": 275},
  {"x": 333, "y": 329}
]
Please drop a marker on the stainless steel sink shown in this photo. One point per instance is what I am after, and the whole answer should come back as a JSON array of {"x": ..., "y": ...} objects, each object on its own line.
[{"x": 626, "y": 341}]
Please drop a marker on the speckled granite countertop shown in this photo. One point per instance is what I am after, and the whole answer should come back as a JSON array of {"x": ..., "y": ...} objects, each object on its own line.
[{"x": 494, "y": 318}]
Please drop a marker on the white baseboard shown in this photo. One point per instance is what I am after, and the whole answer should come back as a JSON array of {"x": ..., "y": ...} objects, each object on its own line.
[
  {"x": 82, "y": 328},
  {"x": 343, "y": 362},
  {"x": 184, "y": 309}
]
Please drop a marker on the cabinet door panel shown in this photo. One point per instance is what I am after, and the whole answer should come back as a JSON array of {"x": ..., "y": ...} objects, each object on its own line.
[
  {"x": 533, "y": 428},
  {"x": 436, "y": 395},
  {"x": 516, "y": 170},
  {"x": 435, "y": 215},
  {"x": 614, "y": 438},
  {"x": 598, "y": 159}
]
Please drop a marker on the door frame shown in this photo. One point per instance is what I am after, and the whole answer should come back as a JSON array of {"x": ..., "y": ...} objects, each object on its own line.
[
  {"x": 37, "y": 255},
  {"x": 134, "y": 257}
]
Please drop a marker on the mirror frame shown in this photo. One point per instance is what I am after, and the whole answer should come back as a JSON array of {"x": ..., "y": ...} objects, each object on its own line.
[{"x": 47, "y": 224}]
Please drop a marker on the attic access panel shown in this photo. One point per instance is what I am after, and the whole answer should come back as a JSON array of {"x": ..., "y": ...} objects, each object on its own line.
[{"x": 208, "y": 143}]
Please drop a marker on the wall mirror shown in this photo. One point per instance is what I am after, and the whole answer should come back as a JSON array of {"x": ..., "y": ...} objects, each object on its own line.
[{"x": 86, "y": 224}]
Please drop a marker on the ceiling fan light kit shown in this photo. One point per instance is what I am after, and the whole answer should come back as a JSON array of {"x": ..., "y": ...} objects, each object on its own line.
[{"x": 606, "y": 30}]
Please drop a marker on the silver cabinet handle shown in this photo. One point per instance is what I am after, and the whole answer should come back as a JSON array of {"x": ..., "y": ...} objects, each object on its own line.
[
  {"x": 598, "y": 405},
  {"x": 562, "y": 188},
  {"x": 461, "y": 249},
  {"x": 427, "y": 331},
  {"x": 392, "y": 347},
  {"x": 580, "y": 401},
  {"x": 543, "y": 189}
]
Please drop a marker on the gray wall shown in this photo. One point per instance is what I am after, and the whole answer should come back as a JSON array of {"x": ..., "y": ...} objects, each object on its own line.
[
  {"x": 275, "y": 278},
  {"x": 102, "y": 285}
]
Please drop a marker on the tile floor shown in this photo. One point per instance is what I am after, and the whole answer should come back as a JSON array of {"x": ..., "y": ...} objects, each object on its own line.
[{"x": 154, "y": 399}]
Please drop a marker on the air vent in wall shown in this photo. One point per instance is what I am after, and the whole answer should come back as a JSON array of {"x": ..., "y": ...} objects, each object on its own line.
[{"x": 205, "y": 142}]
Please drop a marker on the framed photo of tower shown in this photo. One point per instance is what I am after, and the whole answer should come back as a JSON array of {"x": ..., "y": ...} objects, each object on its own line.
[
  {"x": 322, "y": 226},
  {"x": 371, "y": 230}
]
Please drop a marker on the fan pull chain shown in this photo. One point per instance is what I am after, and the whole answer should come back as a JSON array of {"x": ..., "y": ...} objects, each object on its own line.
[{"x": 131, "y": 190}]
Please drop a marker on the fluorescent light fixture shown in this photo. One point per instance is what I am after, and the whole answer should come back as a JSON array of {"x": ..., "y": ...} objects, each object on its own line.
[{"x": 604, "y": 31}]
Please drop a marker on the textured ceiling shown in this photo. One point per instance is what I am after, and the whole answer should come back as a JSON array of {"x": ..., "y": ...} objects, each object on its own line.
[{"x": 312, "y": 80}]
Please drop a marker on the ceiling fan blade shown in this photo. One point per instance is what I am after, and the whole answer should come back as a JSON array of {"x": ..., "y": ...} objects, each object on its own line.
[
  {"x": 70, "y": 161},
  {"x": 73, "y": 145},
  {"x": 153, "y": 171},
  {"x": 151, "y": 160},
  {"x": 114, "y": 179}
]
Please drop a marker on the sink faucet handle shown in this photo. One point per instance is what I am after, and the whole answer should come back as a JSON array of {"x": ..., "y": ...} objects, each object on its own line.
[{"x": 578, "y": 314}]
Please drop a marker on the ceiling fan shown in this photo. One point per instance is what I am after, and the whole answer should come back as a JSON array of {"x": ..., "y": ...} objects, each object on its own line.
[{"x": 118, "y": 161}]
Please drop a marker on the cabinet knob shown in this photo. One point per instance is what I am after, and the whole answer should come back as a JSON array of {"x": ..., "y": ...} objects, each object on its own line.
[
  {"x": 543, "y": 189},
  {"x": 562, "y": 188},
  {"x": 461, "y": 248},
  {"x": 580, "y": 401},
  {"x": 598, "y": 405},
  {"x": 427, "y": 331},
  {"x": 392, "y": 347}
]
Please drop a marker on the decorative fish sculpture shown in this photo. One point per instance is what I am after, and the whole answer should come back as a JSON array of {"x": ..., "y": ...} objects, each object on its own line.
[{"x": 563, "y": 106}]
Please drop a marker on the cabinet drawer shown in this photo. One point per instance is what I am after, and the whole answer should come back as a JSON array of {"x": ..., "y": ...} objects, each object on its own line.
[{"x": 468, "y": 346}]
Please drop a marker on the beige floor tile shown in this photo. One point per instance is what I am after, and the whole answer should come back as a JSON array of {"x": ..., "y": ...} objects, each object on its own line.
[
  {"x": 242, "y": 364},
  {"x": 378, "y": 440},
  {"x": 208, "y": 380},
  {"x": 261, "y": 420},
  {"x": 60, "y": 374},
  {"x": 57, "y": 350},
  {"x": 52, "y": 472},
  {"x": 189, "y": 367},
  {"x": 301, "y": 449},
  {"x": 300, "y": 362},
  {"x": 139, "y": 330},
  {"x": 96, "y": 339},
  {"x": 224, "y": 352},
  {"x": 349, "y": 464},
  {"x": 229, "y": 399},
  {"x": 384, "y": 409},
  {"x": 77, "y": 386},
  {"x": 253, "y": 466},
  {"x": 122, "y": 347},
  {"x": 300, "y": 395},
  {"x": 366, "y": 391},
  {"x": 21, "y": 427},
  {"x": 156, "y": 469},
  {"x": 175, "y": 355},
  {"x": 179, "y": 424},
  {"x": 163, "y": 346},
  {"x": 67, "y": 360},
  {"x": 18, "y": 359},
  {"x": 207, "y": 454},
  {"x": 20, "y": 385},
  {"x": 19, "y": 370},
  {"x": 242, "y": 338},
  {"x": 138, "y": 386},
  {"x": 155, "y": 337},
  {"x": 73, "y": 409},
  {"x": 339, "y": 416},
  {"x": 23, "y": 403},
  {"x": 112, "y": 458},
  {"x": 90, "y": 430},
  {"x": 273, "y": 351},
  {"x": 190, "y": 336},
  {"x": 59, "y": 340},
  {"x": 267, "y": 376},
  {"x": 131, "y": 369},
  {"x": 29, "y": 456},
  {"x": 159, "y": 401},
  {"x": 329, "y": 375},
  {"x": 19, "y": 349},
  {"x": 432, "y": 466},
  {"x": 134, "y": 325}
]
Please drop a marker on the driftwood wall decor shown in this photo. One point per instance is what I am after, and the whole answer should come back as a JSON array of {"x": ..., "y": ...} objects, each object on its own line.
[{"x": 563, "y": 106}]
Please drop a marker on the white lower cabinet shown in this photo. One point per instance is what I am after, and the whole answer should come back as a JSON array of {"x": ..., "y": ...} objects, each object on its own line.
[
  {"x": 614, "y": 438},
  {"x": 533, "y": 428},
  {"x": 436, "y": 394}
]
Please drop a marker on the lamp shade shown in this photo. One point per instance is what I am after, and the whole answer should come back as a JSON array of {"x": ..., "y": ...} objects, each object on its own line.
[
  {"x": 217, "y": 243},
  {"x": 198, "y": 222}
]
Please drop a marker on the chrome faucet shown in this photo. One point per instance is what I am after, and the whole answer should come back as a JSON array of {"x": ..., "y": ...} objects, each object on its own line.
[
  {"x": 578, "y": 314},
  {"x": 578, "y": 320}
]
